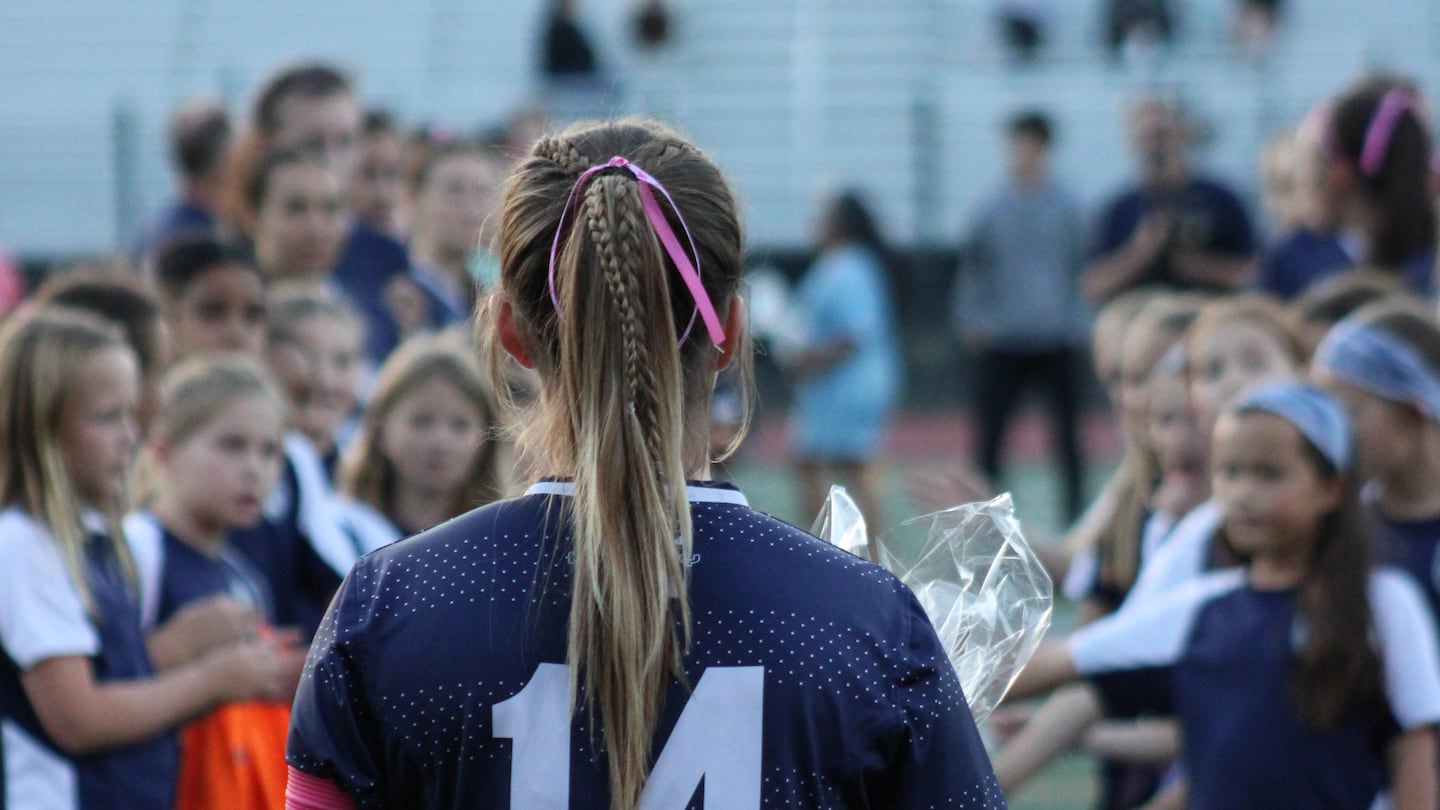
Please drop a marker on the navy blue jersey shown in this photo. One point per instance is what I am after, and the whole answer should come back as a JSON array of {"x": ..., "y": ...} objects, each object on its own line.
[
  {"x": 42, "y": 617},
  {"x": 1299, "y": 260},
  {"x": 300, "y": 547},
  {"x": 438, "y": 678},
  {"x": 1230, "y": 650},
  {"x": 1413, "y": 546},
  {"x": 173, "y": 573},
  {"x": 368, "y": 262}
]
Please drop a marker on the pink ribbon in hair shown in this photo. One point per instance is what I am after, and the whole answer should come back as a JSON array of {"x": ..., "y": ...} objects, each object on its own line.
[
  {"x": 1381, "y": 130},
  {"x": 690, "y": 273}
]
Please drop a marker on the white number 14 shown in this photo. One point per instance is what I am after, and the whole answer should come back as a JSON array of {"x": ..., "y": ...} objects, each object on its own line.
[{"x": 718, "y": 738}]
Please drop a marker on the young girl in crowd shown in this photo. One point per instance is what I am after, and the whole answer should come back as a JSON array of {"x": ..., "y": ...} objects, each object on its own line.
[
  {"x": 1154, "y": 492},
  {"x": 1235, "y": 343},
  {"x": 302, "y": 546},
  {"x": 454, "y": 194},
  {"x": 1289, "y": 675},
  {"x": 629, "y": 603},
  {"x": 1384, "y": 364},
  {"x": 213, "y": 296},
  {"x": 294, "y": 216},
  {"x": 425, "y": 451},
  {"x": 122, "y": 301},
  {"x": 848, "y": 373},
  {"x": 1379, "y": 153},
  {"x": 315, "y": 348},
  {"x": 1330, "y": 301},
  {"x": 86, "y": 720},
  {"x": 214, "y": 456}
]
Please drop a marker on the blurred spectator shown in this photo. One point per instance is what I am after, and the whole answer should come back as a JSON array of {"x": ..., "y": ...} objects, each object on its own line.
[
  {"x": 1020, "y": 307},
  {"x": 295, "y": 219},
  {"x": 848, "y": 372},
  {"x": 1254, "y": 25},
  {"x": 566, "y": 51},
  {"x": 1022, "y": 28},
  {"x": 375, "y": 191},
  {"x": 1311, "y": 250},
  {"x": 1279, "y": 200},
  {"x": 128, "y": 304},
  {"x": 1136, "y": 30},
  {"x": 1172, "y": 228},
  {"x": 200, "y": 137},
  {"x": 1378, "y": 158},
  {"x": 312, "y": 105},
  {"x": 455, "y": 204}
]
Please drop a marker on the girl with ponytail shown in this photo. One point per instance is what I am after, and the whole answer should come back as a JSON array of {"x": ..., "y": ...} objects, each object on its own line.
[{"x": 628, "y": 633}]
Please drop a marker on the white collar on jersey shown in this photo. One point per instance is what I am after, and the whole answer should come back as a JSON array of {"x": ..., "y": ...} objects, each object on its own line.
[{"x": 693, "y": 493}]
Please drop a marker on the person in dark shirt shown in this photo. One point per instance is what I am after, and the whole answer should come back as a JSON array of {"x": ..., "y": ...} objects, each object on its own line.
[
  {"x": 1172, "y": 228},
  {"x": 313, "y": 106},
  {"x": 200, "y": 135},
  {"x": 627, "y": 633}
]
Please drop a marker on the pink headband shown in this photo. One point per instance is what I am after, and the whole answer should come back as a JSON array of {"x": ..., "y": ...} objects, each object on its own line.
[
  {"x": 704, "y": 308},
  {"x": 1381, "y": 130}
]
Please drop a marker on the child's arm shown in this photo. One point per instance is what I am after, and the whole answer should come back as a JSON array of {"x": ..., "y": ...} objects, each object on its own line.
[
  {"x": 1414, "y": 783},
  {"x": 84, "y": 716},
  {"x": 200, "y": 627},
  {"x": 1052, "y": 731},
  {"x": 1152, "y": 741},
  {"x": 1048, "y": 668}
]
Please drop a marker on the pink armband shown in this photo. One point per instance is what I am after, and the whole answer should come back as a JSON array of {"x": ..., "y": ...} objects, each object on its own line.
[{"x": 306, "y": 792}]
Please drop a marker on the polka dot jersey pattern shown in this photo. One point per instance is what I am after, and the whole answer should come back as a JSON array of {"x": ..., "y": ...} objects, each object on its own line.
[{"x": 860, "y": 707}]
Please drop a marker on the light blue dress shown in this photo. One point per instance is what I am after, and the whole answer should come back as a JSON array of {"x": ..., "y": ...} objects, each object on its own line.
[{"x": 839, "y": 413}]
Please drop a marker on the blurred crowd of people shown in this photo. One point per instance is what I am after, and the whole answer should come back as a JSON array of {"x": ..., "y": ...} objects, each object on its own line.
[{"x": 284, "y": 378}]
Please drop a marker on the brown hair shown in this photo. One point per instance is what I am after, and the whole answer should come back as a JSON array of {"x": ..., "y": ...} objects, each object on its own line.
[
  {"x": 40, "y": 355},
  {"x": 1399, "y": 187},
  {"x": 621, "y": 401},
  {"x": 366, "y": 474},
  {"x": 118, "y": 299}
]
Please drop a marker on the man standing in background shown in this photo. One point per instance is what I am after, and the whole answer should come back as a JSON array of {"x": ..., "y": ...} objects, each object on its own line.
[{"x": 1019, "y": 305}]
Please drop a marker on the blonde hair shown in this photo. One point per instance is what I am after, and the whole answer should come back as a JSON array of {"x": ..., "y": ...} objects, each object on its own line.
[
  {"x": 366, "y": 474},
  {"x": 290, "y": 304},
  {"x": 621, "y": 400},
  {"x": 1161, "y": 322},
  {"x": 41, "y": 353},
  {"x": 199, "y": 388}
]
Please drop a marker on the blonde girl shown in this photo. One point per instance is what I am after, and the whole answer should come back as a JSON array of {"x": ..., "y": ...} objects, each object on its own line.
[
  {"x": 425, "y": 451},
  {"x": 86, "y": 720}
]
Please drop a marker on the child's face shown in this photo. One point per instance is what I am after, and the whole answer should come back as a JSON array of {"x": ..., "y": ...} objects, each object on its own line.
[
  {"x": 99, "y": 428},
  {"x": 431, "y": 437},
  {"x": 457, "y": 197},
  {"x": 1269, "y": 490},
  {"x": 301, "y": 222},
  {"x": 1228, "y": 359},
  {"x": 375, "y": 189},
  {"x": 1382, "y": 442},
  {"x": 221, "y": 474},
  {"x": 334, "y": 348},
  {"x": 1178, "y": 442},
  {"x": 223, "y": 310},
  {"x": 1140, "y": 354}
]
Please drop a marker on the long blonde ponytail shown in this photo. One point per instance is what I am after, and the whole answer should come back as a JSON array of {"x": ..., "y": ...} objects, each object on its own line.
[{"x": 617, "y": 384}]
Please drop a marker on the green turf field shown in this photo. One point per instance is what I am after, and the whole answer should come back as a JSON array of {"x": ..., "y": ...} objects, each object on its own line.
[{"x": 1067, "y": 785}]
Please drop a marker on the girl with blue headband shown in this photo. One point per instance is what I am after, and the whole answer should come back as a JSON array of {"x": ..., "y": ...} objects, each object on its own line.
[
  {"x": 628, "y": 633},
  {"x": 1306, "y": 678},
  {"x": 1384, "y": 364}
]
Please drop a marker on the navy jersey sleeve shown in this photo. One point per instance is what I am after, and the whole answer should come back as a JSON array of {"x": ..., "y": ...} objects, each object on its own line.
[
  {"x": 332, "y": 733},
  {"x": 936, "y": 757}
]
